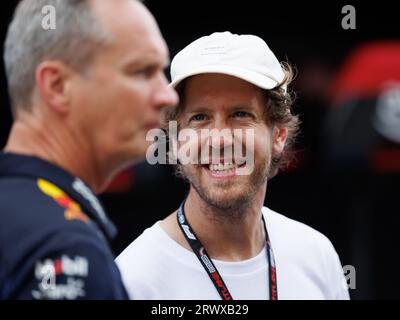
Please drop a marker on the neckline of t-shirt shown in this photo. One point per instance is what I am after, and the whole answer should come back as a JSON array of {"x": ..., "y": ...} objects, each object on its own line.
[{"x": 177, "y": 251}]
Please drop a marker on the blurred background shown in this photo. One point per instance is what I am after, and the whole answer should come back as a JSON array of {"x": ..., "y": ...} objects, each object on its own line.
[{"x": 345, "y": 179}]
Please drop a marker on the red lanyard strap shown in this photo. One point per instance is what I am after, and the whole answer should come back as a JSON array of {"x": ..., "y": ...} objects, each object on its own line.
[{"x": 209, "y": 266}]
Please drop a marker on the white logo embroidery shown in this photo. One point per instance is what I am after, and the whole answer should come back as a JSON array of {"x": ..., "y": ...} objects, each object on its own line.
[{"x": 47, "y": 271}]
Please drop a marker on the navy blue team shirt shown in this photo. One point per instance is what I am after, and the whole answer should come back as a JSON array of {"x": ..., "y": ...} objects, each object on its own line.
[{"x": 53, "y": 235}]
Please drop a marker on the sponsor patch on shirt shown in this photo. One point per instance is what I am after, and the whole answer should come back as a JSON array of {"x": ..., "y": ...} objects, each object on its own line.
[
  {"x": 61, "y": 278},
  {"x": 72, "y": 211}
]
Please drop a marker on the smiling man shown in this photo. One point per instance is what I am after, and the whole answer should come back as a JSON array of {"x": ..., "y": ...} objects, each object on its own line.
[
  {"x": 222, "y": 243},
  {"x": 83, "y": 97}
]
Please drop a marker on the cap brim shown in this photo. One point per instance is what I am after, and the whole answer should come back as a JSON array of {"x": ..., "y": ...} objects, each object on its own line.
[{"x": 255, "y": 78}]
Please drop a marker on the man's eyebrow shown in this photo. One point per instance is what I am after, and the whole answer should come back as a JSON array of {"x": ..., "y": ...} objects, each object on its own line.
[
  {"x": 203, "y": 108},
  {"x": 162, "y": 62},
  {"x": 243, "y": 106},
  {"x": 197, "y": 109},
  {"x": 248, "y": 108}
]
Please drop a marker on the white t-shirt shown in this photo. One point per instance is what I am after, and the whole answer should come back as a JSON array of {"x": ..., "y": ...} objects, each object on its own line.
[{"x": 155, "y": 266}]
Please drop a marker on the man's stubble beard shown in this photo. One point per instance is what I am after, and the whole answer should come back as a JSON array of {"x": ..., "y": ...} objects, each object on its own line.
[{"x": 233, "y": 208}]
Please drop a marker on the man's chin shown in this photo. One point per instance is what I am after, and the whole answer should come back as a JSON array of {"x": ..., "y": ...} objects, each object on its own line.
[
  {"x": 139, "y": 151},
  {"x": 229, "y": 198}
]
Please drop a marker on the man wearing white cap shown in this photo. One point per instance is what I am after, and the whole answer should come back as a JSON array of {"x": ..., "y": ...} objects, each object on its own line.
[{"x": 222, "y": 243}]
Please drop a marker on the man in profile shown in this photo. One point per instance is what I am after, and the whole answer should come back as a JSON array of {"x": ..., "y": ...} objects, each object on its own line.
[{"x": 83, "y": 97}]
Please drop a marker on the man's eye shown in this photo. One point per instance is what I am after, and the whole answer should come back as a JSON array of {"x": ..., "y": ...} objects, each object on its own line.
[
  {"x": 146, "y": 72},
  {"x": 241, "y": 114},
  {"x": 198, "y": 117}
]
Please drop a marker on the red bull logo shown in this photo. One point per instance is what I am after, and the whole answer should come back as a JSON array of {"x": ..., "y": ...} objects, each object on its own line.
[{"x": 73, "y": 210}]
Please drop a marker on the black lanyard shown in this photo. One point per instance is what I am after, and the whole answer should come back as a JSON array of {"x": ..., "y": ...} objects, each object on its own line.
[{"x": 209, "y": 266}]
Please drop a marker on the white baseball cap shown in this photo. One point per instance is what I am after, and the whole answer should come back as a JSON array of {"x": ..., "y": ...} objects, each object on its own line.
[{"x": 247, "y": 57}]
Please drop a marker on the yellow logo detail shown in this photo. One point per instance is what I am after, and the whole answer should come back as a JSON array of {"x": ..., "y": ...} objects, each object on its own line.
[{"x": 73, "y": 210}]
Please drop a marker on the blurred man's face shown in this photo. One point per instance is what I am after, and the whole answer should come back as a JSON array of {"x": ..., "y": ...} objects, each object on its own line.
[
  {"x": 121, "y": 97},
  {"x": 215, "y": 101}
]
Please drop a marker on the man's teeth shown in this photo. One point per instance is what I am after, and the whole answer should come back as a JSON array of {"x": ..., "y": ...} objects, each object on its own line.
[{"x": 221, "y": 167}]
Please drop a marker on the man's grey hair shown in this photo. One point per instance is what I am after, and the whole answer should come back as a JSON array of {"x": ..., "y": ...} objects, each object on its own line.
[{"x": 77, "y": 38}]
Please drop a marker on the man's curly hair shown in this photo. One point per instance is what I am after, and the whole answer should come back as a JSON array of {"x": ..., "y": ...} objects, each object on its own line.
[{"x": 277, "y": 113}]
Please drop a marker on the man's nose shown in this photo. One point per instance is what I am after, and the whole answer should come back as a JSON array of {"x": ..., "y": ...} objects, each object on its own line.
[
  {"x": 221, "y": 135},
  {"x": 165, "y": 95}
]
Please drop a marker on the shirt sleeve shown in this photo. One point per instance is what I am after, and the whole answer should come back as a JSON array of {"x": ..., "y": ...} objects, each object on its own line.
[
  {"x": 73, "y": 270},
  {"x": 337, "y": 281}
]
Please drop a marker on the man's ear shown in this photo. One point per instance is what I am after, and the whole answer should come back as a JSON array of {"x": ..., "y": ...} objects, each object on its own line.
[
  {"x": 53, "y": 82},
  {"x": 279, "y": 136}
]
